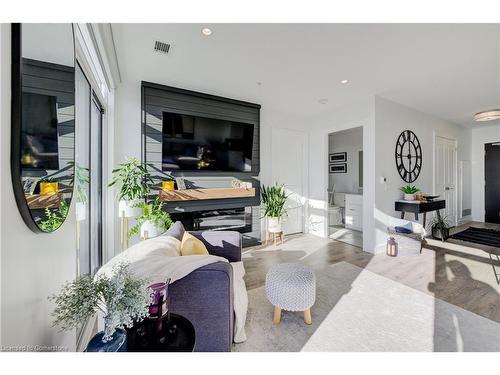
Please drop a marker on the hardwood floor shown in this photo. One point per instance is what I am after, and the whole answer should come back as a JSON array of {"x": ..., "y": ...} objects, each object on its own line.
[{"x": 460, "y": 275}]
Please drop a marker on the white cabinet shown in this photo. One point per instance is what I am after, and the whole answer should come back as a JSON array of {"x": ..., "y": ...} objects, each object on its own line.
[{"x": 354, "y": 211}]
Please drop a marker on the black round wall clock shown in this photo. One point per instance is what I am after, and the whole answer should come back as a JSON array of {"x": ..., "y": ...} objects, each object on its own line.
[{"x": 408, "y": 156}]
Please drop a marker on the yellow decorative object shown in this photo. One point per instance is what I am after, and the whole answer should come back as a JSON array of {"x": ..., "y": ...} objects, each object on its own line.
[
  {"x": 190, "y": 245},
  {"x": 49, "y": 188},
  {"x": 167, "y": 185},
  {"x": 27, "y": 159}
]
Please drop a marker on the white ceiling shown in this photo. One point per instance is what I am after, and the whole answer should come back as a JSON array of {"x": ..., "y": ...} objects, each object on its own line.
[{"x": 449, "y": 70}]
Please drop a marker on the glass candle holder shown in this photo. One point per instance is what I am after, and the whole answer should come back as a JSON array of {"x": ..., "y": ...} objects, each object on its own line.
[{"x": 159, "y": 304}]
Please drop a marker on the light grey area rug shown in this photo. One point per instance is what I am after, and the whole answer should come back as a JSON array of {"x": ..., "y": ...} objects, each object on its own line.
[{"x": 358, "y": 310}]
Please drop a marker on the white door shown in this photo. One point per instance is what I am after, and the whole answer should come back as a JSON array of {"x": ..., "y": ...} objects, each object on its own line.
[
  {"x": 289, "y": 166},
  {"x": 446, "y": 175}
]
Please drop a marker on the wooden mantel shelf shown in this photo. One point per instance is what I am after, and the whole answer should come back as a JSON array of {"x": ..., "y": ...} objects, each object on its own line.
[
  {"x": 37, "y": 201},
  {"x": 204, "y": 194}
]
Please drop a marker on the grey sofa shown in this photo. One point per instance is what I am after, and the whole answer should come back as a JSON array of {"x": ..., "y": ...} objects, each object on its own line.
[{"x": 205, "y": 296}]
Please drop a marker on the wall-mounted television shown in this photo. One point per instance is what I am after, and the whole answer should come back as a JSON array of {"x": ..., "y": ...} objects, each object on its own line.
[
  {"x": 39, "y": 140},
  {"x": 194, "y": 143}
]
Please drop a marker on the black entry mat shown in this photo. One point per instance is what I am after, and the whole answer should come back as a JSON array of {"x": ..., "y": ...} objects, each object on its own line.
[{"x": 488, "y": 237}]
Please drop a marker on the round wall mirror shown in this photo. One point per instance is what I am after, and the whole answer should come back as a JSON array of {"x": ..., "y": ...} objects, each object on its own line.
[{"x": 43, "y": 122}]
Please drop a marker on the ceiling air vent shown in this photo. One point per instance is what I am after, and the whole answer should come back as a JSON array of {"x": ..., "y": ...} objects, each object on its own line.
[{"x": 162, "y": 47}]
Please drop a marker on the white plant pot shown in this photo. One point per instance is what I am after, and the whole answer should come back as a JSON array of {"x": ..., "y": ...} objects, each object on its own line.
[
  {"x": 149, "y": 230},
  {"x": 128, "y": 209},
  {"x": 81, "y": 211},
  {"x": 409, "y": 197},
  {"x": 274, "y": 224}
]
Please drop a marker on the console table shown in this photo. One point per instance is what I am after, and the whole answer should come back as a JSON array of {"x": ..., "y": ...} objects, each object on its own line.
[{"x": 417, "y": 207}]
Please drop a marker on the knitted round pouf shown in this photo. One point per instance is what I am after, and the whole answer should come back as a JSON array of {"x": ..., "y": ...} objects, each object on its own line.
[{"x": 292, "y": 287}]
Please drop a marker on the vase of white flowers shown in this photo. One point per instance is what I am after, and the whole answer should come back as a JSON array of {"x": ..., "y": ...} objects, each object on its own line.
[{"x": 121, "y": 297}]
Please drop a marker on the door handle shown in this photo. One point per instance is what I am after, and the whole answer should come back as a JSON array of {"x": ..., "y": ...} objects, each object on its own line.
[{"x": 447, "y": 188}]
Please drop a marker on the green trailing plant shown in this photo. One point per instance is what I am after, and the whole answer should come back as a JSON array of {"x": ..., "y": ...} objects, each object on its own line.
[
  {"x": 54, "y": 218},
  {"x": 409, "y": 189},
  {"x": 121, "y": 297},
  {"x": 273, "y": 200},
  {"x": 152, "y": 212},
  {"x": 132, "y": 179}
]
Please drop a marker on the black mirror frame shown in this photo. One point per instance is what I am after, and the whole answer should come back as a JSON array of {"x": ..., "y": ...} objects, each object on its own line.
[{"x": 16, "y": 124}]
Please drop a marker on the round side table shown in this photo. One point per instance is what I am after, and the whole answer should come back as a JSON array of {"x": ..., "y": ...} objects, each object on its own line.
[{"x": 176, "y": 335}]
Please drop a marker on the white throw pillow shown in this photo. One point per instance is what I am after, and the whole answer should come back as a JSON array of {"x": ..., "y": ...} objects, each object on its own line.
[{"x": 163, "y": 246}]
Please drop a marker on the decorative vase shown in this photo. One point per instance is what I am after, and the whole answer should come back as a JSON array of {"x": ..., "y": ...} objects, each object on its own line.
[
  {"x": 128, "y": 208},
  {"x": 168, "y": 185},
  {"x": 49, "y": 188},
  {"x": 274, "y": 224},
  {"x": 409, "y": 197},
  {"x": 149, "y": 230},
  {"x": 118, "y": 342},
  {"x": 391, "y": 248},
  {"x": 81, "y": 211}
]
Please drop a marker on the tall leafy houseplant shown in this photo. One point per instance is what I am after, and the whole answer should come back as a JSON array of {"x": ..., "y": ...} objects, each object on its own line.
[
  {"x": 121, "y": 297},
  {"x": 273, "y": 203},
  {"x": 152, "y": 222},
  {"x": 133, "y": 182}
]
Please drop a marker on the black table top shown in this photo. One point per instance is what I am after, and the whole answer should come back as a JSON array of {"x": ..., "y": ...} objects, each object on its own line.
[
  {"x": 419, "y": 207},
  {"x": 170, "y": 335}
]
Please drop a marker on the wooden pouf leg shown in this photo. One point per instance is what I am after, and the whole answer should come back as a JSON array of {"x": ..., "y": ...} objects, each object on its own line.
[
  {"x": 277, "y": 315},
  {"x": 307, "y": 316}
]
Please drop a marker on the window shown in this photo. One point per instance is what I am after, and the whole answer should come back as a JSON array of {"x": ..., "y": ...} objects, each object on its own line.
[{"x": 88, "y": 172}]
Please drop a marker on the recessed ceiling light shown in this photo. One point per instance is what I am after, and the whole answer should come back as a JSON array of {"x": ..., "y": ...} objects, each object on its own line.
[
  {"x": 206, "y": 31},
  {"x": 323, "y": 101},
  {"x": 344, "y": 81},
  {"x": 489, "y": 115}
]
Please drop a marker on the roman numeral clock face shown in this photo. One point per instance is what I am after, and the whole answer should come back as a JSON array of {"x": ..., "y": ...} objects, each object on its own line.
[{"x": 408, "y": 156}]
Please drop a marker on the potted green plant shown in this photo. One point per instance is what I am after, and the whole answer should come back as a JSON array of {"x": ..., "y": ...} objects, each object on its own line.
[
  {"x": 121, "y": 297},
  {"x": 440, "y": 225},
  {"x": 152, "y": 222},
  {"x": 133, "y": 181},
  {"x": 273, "y": 203},
  {"x": 409, "y": 192},
  {"x": 54, "y": 218}
]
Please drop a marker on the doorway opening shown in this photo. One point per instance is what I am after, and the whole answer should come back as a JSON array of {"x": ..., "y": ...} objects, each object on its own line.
[
  {"x": 492, "y": 182},
  {"x": 345, "y": 186}
]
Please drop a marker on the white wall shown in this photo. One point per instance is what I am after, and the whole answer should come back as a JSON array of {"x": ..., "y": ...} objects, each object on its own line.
[
  {"x": 359, "y": 114},
  {"x": 480, "y": 136},
  {"x": 33, "y": 266},
  {"x": 390, "y": 120},
  {"x": 350, "y": 141}
]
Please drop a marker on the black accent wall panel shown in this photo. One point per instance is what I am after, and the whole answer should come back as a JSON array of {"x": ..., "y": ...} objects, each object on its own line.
[{"x": 157, "y": 99}]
